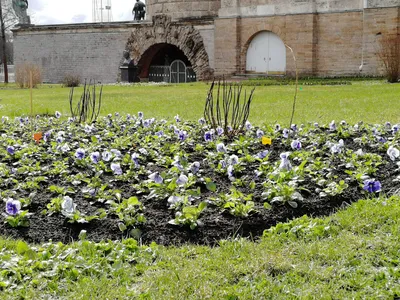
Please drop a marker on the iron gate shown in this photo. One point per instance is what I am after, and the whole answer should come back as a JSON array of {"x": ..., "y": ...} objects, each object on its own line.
[{"x": 177, "y": 72}]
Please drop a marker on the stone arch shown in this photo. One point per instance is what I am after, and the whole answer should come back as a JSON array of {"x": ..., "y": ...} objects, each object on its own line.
[
  {"x": 273, "y": 29},
  {"x": 185, "y": 37},
  {"x": 152, "y": 53}
]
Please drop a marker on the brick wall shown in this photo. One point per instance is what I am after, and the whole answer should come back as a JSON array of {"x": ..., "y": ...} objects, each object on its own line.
[{"x": 328, "y": 44}]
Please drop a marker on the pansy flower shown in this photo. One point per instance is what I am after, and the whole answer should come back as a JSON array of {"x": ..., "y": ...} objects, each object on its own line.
[
  {"x": 156, "y": 177},
  {"x": 177, "y": 163},
  {"x": 116, "y": 153},
  {"x": 88, "y": 128},
  {"x": 146, "y": 123},
  {"x": 46, "y": 135},
  {"x": 58, "y": 114},
  {"x": 262, "y": 154},
  {"x": 195, "y": 167},
  {"x": 135, "y": 159},
  {"x": 67, "y": 206},
  {"x": 13, "y": 207},
  {"x": 116, "y": 168},
  {"x": 285, "y": 163},
  {"x": 259, "y": 133},
  {"x": 143, "y": 151},
  {"x": 393, "y": 153},
  {"x": 182, "y": 179},
  {"x": 65, "y": 148},
  {"x": 372, "y": 186},
  {"x": 174, "y": 201},
  {"x": 233, "y": 160},
  {"x": 182, "y": 135},
  {"x": 140, "y": 115},
  {"x": 95, "y": 157},
  {"x": 159, "y": 133},
  {"x": 202, "y": 121},
  {"x": 296, "y": 145},
  {"x": 106, "y": 155},
  {"x": 332, "y": 126},
  {"x": 293, "y": 127},
  {"x": 208, "y": 136},
  {"x": 230, "y": 172},
  {"x": 11, "y": 150},
  {"x": 221, "y": 147},
  {"x": 223, "y": 164},
  {"x": 277, "y": 127},
  {"x": 177, "y": 119},
  {"x": 59, "y": 139},
  {"x": 80, "y": 153},
  {"x": 248, "y": 125},
  {"x": 395, "y": 128},
  {"x": 285, "y": 133},
  {"x": 219, "y": 130}
]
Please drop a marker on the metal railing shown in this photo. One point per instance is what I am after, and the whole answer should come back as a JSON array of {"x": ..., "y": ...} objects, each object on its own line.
[{"x": 11, "y": 73}]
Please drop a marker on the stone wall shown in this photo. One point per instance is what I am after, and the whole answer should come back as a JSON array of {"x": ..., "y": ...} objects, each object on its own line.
[
  {"x": 247, "y": 8},
  {"x": 179, "y": 9},
  {"x": 328, "y": 44},
  {"x": 93, "y": 52}
]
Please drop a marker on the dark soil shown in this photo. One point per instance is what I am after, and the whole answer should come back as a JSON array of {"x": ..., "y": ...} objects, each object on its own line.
[{"x": 217, "y": 224}]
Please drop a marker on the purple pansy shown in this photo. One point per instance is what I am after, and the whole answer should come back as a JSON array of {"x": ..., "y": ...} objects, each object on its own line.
[
  {"x": 95, "y": 157},
  {"x": 135, "y": 159},
  {"x": 296, "y": 145},
  {"x": 182, "y": 179},
  {"x": 11, "y": 150},
  {"x": 221, "y": 147},
  {"x": 182, "y": 135},
  {"x": 116, "y": 168},
  {"x": 80, "y": 153},
  {"x": 208, "y": 136},
  {"x": 195, "y": 167},
  {"x": 156, "y": 177},
  {"x": 372, "y": 186},
  {"x": 13, "y": 207},
  {"x": 219, "y": 130},
  {"x": 262, "y": 154}
]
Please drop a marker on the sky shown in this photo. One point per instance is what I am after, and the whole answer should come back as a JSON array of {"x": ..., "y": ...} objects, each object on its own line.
[{"x": 44, "y": 12}]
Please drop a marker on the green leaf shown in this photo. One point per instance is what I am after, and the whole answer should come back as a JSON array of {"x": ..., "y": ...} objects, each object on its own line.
[
  {"x": 202, "y": 205},
  {"x": 22, "y": 247},
  {"x": 211, "y": 186},
  {"x": 267, "y": 205},
  {"x": 94, "y": 139}
]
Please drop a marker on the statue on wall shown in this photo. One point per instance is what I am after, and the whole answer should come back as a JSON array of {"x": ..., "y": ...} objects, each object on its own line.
[
  {"x": 139, "y": 10},
  {"x": 20, "y": 7},
  {"x": 127, "y": 58}
]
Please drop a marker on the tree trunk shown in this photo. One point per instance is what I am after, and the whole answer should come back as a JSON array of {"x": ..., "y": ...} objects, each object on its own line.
[{"x": 3, "y": 44}]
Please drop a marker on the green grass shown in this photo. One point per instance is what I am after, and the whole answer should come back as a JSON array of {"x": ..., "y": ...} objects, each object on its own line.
[
  {"x": 373, "y": 101},
  {"x": 353, "y": 254}
]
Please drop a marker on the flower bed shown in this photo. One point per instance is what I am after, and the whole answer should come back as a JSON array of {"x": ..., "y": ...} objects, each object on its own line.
[{"x": 182, "y": 181}]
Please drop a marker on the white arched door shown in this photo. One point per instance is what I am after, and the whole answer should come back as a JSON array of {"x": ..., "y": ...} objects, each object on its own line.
[{"x": 266, "y": 54}]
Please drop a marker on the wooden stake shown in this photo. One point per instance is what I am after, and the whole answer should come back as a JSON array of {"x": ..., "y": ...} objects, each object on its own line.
[{"x": 30, "y": 85}]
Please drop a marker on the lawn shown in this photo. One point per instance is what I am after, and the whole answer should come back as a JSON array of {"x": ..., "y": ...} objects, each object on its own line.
[
  {"x": 351, "y": 254},
  {"x": 370, "y": 101}
]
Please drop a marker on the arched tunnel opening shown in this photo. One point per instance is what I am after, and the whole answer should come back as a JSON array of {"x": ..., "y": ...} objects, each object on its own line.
[{"x": 165, "y": 63}]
